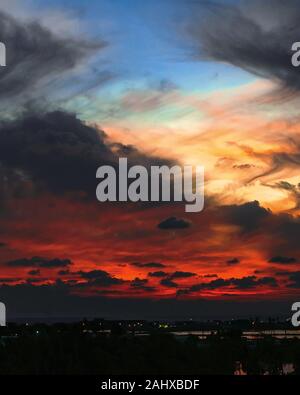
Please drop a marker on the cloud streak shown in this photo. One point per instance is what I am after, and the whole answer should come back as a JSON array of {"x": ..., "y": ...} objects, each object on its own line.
[
  {"x": 259, "y": 43},
  {"x": 37, "y": 57}
]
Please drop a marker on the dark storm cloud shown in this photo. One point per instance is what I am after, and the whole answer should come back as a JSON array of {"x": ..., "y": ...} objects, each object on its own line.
[
  {"x": 54, "y": 263},
  {"x": 138, "y": 282},
  {"x": 282, "y": 259},
  {"x": 154, "y": 265},
  {"x": 93, "y": 274},
  {"x": 280, "y": 229},
  {"x": 179, "y": 274},
  {"x": 58, "y": 151},
  {"x": 55, "y": 149},
  {"x": 285, "y": 229},
  {"x": 295, "y": 280},
  {"x": 214, "y": 284},
  {"x": 51, "y": 151},
  {"x": 34, "y": 272},
  {"x": 93, "y": 278},
  {"x": 103, "y": 280},
  {"x": 244, "y": 283},
  {"x": 167, "y": 282},
  {"x": 252, "y": 282},
  {"x": 256, "y": 37},
  {"x": 158, "y": 274},
  {"x": 233, "y": 261},
  {"x": 248, "y": 216},
  {"x": 35, "y": 55},
  {"x": 39, "y": 262},
  {"x": 63, "y": 272},
  {"x": 174, "y": 223}
]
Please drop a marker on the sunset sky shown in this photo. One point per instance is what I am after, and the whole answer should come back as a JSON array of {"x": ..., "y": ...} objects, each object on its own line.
[{"x": 159, "y": 82}]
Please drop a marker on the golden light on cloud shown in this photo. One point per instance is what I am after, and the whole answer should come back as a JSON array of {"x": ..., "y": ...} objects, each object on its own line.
[{"x": 235, "y": 134}]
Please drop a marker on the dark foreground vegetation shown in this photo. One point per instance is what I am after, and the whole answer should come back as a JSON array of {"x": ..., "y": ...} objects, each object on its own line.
[{"x": 74, "y": 352}]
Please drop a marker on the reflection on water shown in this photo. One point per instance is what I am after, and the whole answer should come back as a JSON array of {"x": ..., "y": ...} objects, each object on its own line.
[
  {"x": 276, "y": 333},
  {"x": 286, "y": 369},
  {"x": 249, "y": 335}
]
